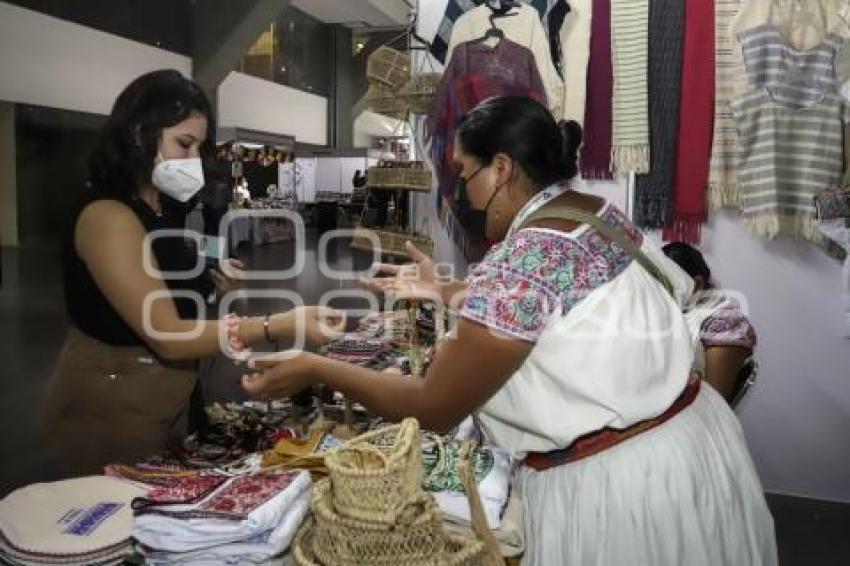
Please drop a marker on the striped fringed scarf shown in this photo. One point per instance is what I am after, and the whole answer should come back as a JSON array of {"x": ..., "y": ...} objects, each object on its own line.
[
  {"x": 723, "y": 175},
  {"x": 695, "y": 124},
  {"x": 577, "y": 48},
  {"x": 630, "y": 51},
  {"x": 596, "y": 149},
  {"x": 654, "y": 191}
]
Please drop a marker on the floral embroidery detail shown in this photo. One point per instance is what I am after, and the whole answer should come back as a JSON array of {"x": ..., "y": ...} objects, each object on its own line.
[
  {"x": 533, "y": 260},
  {"x": 185, "y": 489},
  {"x": 441, "y": 463},
  {"x": 728, "y": 326},
  {"x": 536, "y": 273},
  {"x": 244, "y": 494},
  {"x": 833, "y": 203},
  {"x": 564, "y": 279}
]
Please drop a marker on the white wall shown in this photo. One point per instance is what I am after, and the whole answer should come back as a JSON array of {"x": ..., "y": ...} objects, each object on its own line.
[
  {"x": 253, "y": 103},
  {"x": 797, "y": 418},
  {"x": 51, "y": 62}
]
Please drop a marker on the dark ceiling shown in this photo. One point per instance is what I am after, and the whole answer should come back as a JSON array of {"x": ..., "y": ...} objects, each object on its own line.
[{"x": 160, "y": 23}]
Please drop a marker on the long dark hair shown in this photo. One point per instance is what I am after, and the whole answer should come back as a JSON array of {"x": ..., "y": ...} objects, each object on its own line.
[
  {"x": 526, "y": 131},
  {"x": 124, "y": 156},
  {"x": 689, "y": 259}
]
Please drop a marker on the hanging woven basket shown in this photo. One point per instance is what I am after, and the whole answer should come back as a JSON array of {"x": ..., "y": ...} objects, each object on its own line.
[
  {"x": 387, "y": 102},
  {"x": 388, "y": 68},
  {"x": 390, "y": 242},
  {"x": 418, "y": 92},
  {"x": 393, "y": 175}
]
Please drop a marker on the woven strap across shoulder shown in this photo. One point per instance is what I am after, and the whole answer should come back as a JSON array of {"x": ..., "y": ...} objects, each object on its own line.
[{"x": 614, "y": 234}]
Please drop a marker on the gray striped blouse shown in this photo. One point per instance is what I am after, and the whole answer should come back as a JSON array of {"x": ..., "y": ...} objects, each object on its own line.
[
  {"x": 787, "y": 154},
  {"x": 790, "y": 132},
  {"x": 797, "y": 76}
]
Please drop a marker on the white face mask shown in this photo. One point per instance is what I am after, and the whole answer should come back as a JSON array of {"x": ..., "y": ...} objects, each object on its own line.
[{"x": 178, "y": 178}]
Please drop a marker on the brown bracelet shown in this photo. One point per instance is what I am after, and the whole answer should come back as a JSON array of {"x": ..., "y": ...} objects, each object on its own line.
[{"x": 266, "y": 327}]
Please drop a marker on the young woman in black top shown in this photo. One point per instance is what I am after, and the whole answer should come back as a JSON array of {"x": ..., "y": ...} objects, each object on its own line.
[{"x": 125, "y": 375}]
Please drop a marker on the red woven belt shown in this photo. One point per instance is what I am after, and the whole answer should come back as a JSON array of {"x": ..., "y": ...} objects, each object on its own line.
[{"x": 595, "y": 442}]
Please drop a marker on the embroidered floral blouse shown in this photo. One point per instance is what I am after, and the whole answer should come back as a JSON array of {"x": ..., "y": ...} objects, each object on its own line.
[{"x": 611, "y": 346}]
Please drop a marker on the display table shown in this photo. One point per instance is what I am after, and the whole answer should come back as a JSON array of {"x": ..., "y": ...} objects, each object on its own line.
[{"x": 250, "y": 455}]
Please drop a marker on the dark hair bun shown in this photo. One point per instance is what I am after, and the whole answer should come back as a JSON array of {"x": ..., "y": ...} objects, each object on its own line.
[
  {"x": 571, "y": 136},
  {"x": 525, "y": 130}
]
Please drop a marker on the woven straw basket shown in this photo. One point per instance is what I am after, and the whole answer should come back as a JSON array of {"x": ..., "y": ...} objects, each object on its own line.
[
  {"x": 359, "y": 516},
  {"x": 375, "y": 474},
  {"x": 418, "y": 92},
  {"x": 416, "y": 537},
  {"x": 387, "y": 102},
  {"x": 388, "y": 68},
  {"x": 408, "y": 175},
  {"x": 391, "y": 242}
]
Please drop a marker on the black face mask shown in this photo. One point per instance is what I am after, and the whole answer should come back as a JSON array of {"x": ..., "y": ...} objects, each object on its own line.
[{"x": 474, "y": 221}]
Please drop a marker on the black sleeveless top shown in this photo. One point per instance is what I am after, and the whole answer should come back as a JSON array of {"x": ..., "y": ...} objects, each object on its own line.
[{"x": 89, "y": 309}]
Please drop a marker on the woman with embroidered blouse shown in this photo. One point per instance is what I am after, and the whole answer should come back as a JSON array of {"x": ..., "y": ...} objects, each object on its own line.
[
  {"x": 573, "y": 351},
  {"x": 724, "y": 337}
]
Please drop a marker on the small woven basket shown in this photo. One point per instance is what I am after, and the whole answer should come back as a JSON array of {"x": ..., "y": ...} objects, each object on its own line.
[
  {"x": 391, "y": 242},
  {"x": 457, "y": 551},
  {"x": 388, "y": 68},
  {"x": 387, "y": 102},
  {"x": 417, "y": 534},
  {"x": 375, "y": 474},
  {"x": 407, "y": 175},
  {"x": 418, "y": 92},
  {"x": 337, "y": 534}
]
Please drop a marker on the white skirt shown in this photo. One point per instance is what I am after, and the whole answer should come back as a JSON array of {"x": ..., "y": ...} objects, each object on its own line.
[{"x": 685, "y": 492}]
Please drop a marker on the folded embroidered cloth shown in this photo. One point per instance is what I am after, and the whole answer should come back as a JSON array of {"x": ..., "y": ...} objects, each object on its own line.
[
  {"x": 239, "y": 510},
  {"x": 258, "y": 549}
]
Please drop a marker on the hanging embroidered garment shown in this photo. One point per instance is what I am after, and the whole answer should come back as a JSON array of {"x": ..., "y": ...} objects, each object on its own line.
[
  {"x": 787, "y": 153},
  {"x": 476, "y": 72},
  {"x": 577, "y": 53},
  {"x": 552, "y": 14},
  {"x": 522, "y": 26},
  {"x": 630, "y": 50},
  {"x": 595, "y": 160},
  {"x": 695, "y": 124},
  {"x": 723, "y": 175},
  {"x": 653, "y": 191}
]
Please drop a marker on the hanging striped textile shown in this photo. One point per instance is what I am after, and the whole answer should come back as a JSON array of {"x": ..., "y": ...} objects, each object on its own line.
[
  {"x": 577, "y": 51},
  {"x": 630, "y": 52},
  {"x": 728, "y": 79},
  {"x": 654, "y": 191}
]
